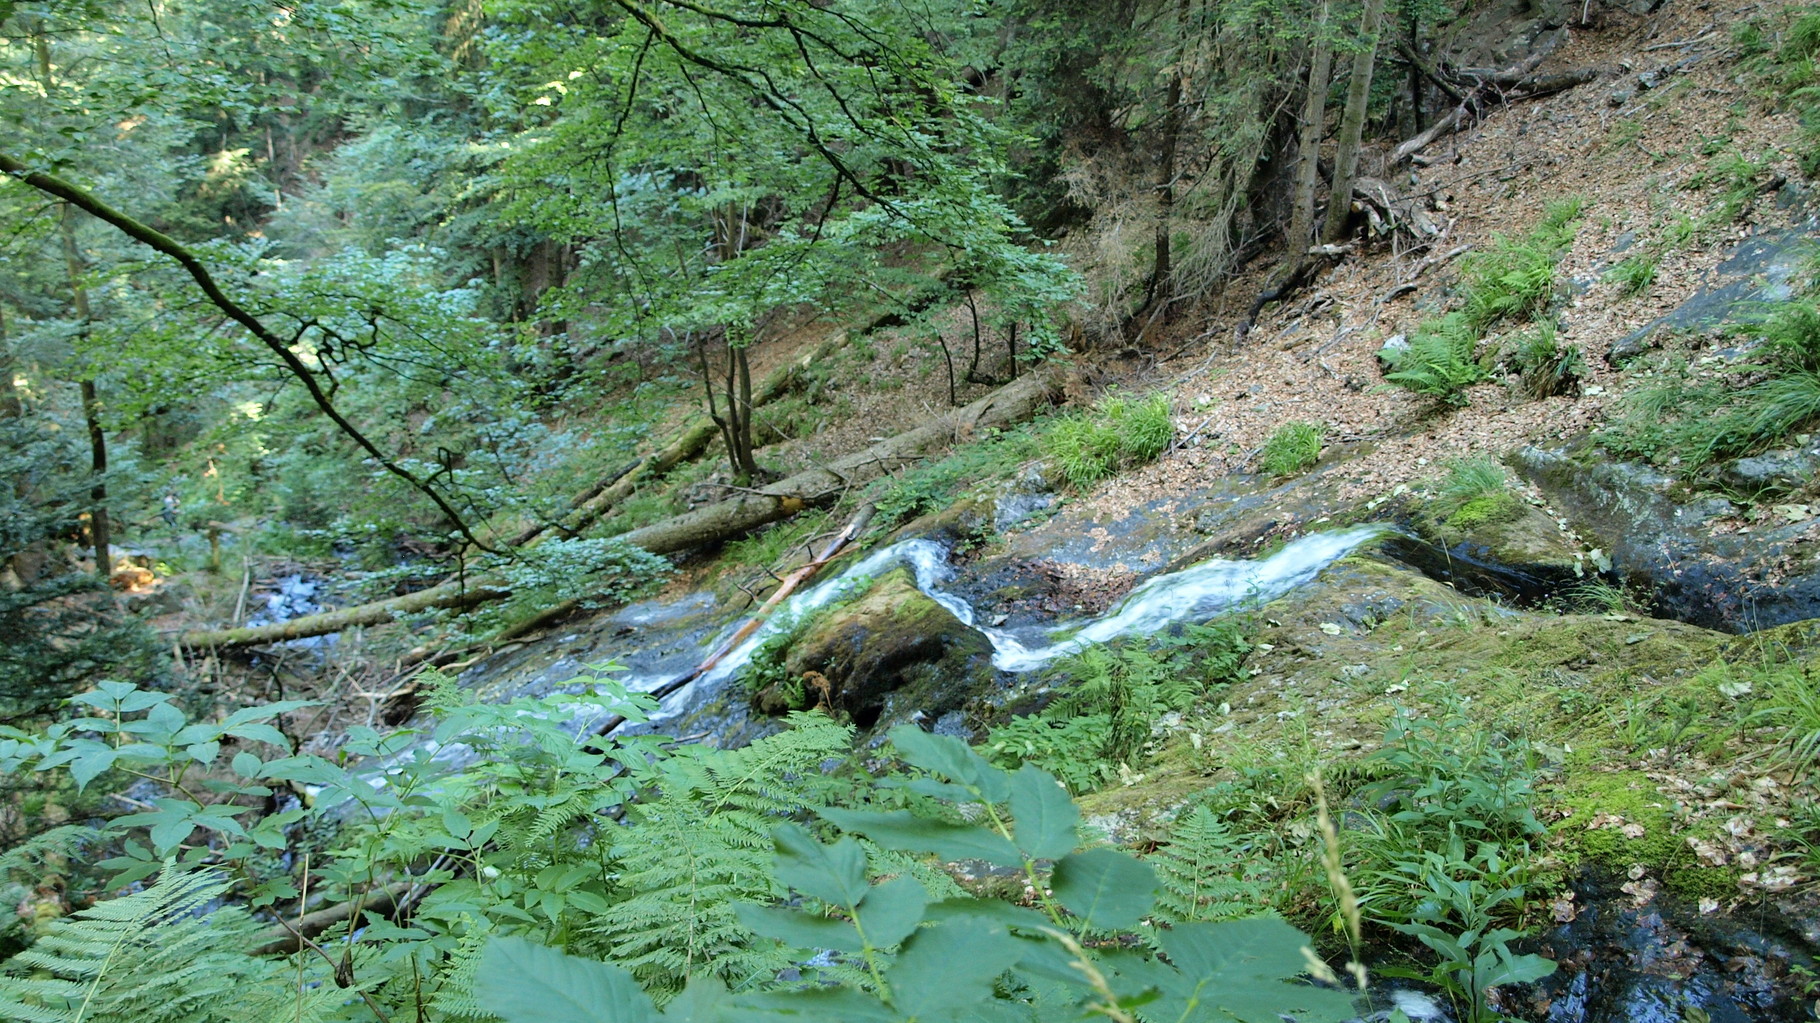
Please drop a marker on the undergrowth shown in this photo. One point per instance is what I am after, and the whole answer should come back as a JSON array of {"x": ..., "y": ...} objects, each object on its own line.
[
  {"x": 1512, "y": 281},
  {"x": 1110, "y": 698},
  {"x": 1119, "y": 433},
  {"x": 1687, "y": 418},
  {"x": 1293, "y": 448}
]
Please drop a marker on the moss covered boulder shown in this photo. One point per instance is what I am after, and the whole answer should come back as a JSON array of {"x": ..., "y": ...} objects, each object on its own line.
[{"x": 891, "y": 654}]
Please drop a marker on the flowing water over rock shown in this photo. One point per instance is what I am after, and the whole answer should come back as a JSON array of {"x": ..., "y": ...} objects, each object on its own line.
[{"x": 662, "y": 641}]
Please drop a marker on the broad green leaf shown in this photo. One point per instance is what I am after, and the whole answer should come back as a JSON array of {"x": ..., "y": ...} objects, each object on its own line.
[
  {"x": 85, "y": 768},
  {"x": 1245, "y": 969},
  {"x": 259, "y": 733},
  {"x": 835, "y": 874},
  {"x": 1105, "y": 888},
  {"x": 950, "y": 965},
  {"x": 947, "y": 755},
  {"x": 204, "y": 752},
  {"x": 1043, "y": 815},
  {"x": 903, "y": 830},
  {"x": 247, "y": 765},
  {"x": 1510, "y": 969},
  {"x": 892, "y": 911},
  {"x": 704, "y": 1000},
  {"x": 799, "y": 929},
  {"x": 524, "y": 982}
]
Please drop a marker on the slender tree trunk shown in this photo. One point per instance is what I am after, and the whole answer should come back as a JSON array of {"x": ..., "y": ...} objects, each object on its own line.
[
  {"x": 748, "y": 464},
  {"x": 99, "y": 532},
  {"x": 1416, "y": 118},
  {"x": 1308, "y": 145},
  {"x": 1162, "y": 276},
  {"x": 1352, "y": 123},
  {"x": 10, "y": 405}
]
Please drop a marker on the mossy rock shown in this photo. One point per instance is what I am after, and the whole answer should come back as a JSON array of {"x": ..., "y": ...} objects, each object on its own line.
[
  {"x": 893, "y": 649},
  {"x": 1501, "y": 532}
]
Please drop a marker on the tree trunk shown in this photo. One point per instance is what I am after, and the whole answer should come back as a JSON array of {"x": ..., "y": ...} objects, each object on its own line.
[
  {"x": 1352, "y": 123},
  {"x": 715, "y": 523},
  {"x": 1308, "y": 145},
  {"x": 99, "y": 533},
  {"x": 1162, "y": 275}
]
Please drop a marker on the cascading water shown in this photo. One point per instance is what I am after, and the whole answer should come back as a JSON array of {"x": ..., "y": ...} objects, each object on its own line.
[{"x": 1198, "y": 592}]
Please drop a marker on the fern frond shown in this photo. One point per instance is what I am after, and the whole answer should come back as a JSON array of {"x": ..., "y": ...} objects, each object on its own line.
[
  {"x": 454, "y": 998},
  {"x": 33, "y": 856},
  {"x": 155, "y": 955},
  {"x": 702, "y": 845},
  {"x": 1203, "y": 872}
]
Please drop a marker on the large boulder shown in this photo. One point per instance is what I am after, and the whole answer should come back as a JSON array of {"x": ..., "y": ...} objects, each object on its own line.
[
  {"x": 890, "y": 656},
  {"x": 1685, "y": 548}
]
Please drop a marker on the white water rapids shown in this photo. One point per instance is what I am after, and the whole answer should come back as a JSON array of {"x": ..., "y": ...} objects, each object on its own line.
[{"x": 1195, "y": 593}]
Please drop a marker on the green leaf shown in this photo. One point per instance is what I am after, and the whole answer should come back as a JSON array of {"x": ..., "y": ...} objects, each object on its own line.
[
  {"x": 259, "y": 733},
  {"x": 85, "y": 768},
  {"x": 835, "y": 874},
  {"x": 1044, "y": 816},
  {"x": 1243, "y": 969},
  {"x": 704, "y": 1000},
  {"x": 947, "y": 755},
  {"x": 204, "y": 752},
  {"x": 524, "y": 982},
  {"x": 950, "y": 965},
  {"x": 905, "y": 831},
  {"x": 247, "y": 765},
  {"x": 892, "y": 911},
  {"x": 1105, "y": 888},
  {"x": 799, "y": 929}
]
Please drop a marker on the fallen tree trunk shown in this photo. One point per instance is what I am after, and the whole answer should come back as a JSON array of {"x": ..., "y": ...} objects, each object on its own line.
[
  {"x": 855, "y": 526},
  {"x": 1499, "y": 88},
  {"x": 714, "y": 523},
  {"x": 283, "y": 938}
]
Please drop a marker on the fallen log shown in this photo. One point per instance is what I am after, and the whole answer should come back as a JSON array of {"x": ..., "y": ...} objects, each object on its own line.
[
  {"x": 855, "y": 526},
  {"x": 285, "y": 938},
  {"x": 1498, "y": 88},
  {"x": 714, "y": 523}
]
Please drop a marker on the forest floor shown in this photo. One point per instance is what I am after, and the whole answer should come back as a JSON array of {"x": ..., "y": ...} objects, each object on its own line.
[{"x": 1638, "y": 158}]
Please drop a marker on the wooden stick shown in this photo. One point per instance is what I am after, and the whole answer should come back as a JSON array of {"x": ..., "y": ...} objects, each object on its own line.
[{"x": 853, "y": 528}]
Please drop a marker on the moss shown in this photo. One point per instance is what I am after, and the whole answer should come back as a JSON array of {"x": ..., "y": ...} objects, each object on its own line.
[
  {"x": 1486, "y": 510},
  {"x": 1662, "y": 847}
]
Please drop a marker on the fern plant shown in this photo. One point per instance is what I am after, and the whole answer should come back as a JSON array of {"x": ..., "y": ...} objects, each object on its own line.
[
  {"x": 1439, "y": 361},
  {"x": 1206, "y": 873},
  {"x": 701, "y": 845},
  {"x": 151, "y": 956},
  {"x": 912, "y": 957}
]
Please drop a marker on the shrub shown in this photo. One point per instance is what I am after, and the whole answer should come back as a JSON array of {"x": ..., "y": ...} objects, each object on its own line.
[
  {"x": 1545, "y": 367},
  {"x": 1478, "y": 476},
  {"x": 1439, "y": 361},
  {"x": 1515, "y": 278},
  {"x": 1119, "y": 433},
  {"x": 1293, "y": 448}
]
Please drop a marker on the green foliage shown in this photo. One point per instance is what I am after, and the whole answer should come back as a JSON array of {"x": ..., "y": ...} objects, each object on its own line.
[
  {"x": 1120, "y": 432},
  {"x": 1293, "y": 448},
  {"x": 1476, "y": 476},
  {"x": 1634, "y": 274},
  {"x": 1688, "y": 421},
  {"x": 1546, "y": 367},
  {"x": 912, "y": 957},
  {"x": 1514, "y": 279},
  {"x": 58, "y": 629},
  {"x": 1207, "y": 872},
  {"x": 1450, "y": 860},
  {"x": 1439, "y": 362},
  {"x": 702, "y": 846},
  {"x": 1109, "y": 701},
  {"x": 153, "y": 955},
  {"x": 1461, "y": 898}
]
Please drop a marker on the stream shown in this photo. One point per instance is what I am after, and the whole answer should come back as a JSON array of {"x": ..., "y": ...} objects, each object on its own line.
[{"x": 1197, "y": 593}]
